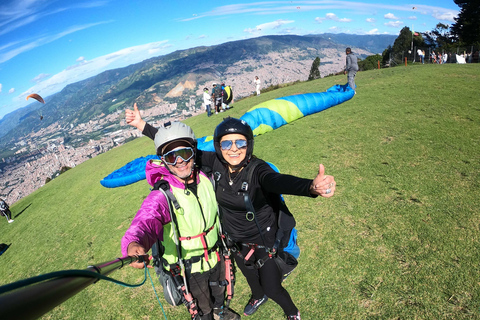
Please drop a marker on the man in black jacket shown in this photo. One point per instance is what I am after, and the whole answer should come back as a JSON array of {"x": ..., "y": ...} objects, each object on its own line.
[{"x": 351, "y": 67}]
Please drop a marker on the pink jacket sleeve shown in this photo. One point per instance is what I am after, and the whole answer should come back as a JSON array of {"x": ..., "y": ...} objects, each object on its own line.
[{"x": 147, "y": 226}]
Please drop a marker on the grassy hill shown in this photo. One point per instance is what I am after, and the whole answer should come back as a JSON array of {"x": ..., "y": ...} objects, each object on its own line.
[{"x": 399, "y": 240}]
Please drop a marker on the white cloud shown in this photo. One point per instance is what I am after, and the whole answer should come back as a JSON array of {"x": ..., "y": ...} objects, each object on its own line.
[
  {"x": 371, "y": 20},
  {"x": 333, "y": 17},
  {"x": 0, "y": 87},
  {"x": 412, "y": 18},
  {"x": 390, "y": 16},
  {"x": 40, "y": 77},
  {"x": 448, "y": 16},
  {"x": 202, "y": 36},
  {"x": 80, "y": 59},
  {"x": 21, "y": 13},
  {"x": 265, "y": 27},
  {"x": 24, "y": 45},
  {"x": 86, "y": 69},
  {"x": 273, "y": 25},
  {"x": 277, "y": 7},
  {"x": 373, "y": 31},
  {"x": 394, "y": 24},
  {"x": 11, "y": 90}
]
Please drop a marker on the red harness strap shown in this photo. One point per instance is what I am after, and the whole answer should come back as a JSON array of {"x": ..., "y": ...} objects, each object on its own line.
[
  {"x": 259, "y": 262},
  {"x": 249, "y": 254},
  {"x": 204, "y": 243}
]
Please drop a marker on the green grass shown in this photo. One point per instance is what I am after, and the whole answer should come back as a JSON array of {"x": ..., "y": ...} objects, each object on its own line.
[{"x": 399, "y": 240}]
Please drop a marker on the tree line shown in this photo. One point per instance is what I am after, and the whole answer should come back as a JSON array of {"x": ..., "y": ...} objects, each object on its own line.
[{"x": 461, "y": 37}]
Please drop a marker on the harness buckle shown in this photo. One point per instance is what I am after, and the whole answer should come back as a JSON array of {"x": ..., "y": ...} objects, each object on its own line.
[
  {"x": 259, "y": 263},
  {"x": 250, "y": 216},
  {"x": 244, "y": 187}
]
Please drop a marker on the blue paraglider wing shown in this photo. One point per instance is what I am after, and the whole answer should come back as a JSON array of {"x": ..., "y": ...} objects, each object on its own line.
[
  {"x": 262, "y": 118},
  {"x": 130, "y": 173}
]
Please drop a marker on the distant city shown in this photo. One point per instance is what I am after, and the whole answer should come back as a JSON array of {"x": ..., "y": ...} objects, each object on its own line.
[
  {"x": 41, "y": 155},
  {"x": 29, "y": 170}
]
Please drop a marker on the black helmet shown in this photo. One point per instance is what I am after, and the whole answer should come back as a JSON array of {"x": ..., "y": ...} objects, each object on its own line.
[{"x": 231, "y": 126}]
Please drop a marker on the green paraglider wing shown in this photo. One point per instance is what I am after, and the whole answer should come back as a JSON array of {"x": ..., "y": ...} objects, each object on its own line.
[
  {"x": 272, "y": 114},
  {"x": 262, "y": 118}
]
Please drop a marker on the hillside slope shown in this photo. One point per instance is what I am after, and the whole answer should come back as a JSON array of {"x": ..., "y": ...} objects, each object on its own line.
[
  {"x": 398, "y": 240},
  {"x": 148, "y": 82}
]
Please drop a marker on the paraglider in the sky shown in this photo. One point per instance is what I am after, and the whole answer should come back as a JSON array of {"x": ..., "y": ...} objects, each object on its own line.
[
  {"x": 39, "y": 99},
  {"x": 36, "y": 97},
  {"x": 262, "y": 118}
]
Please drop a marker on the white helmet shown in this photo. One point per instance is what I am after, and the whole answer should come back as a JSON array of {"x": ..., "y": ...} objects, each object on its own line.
[{"x": 172, "y": 131}]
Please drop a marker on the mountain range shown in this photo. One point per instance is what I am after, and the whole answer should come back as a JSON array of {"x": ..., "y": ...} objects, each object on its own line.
[{"x": 181, "y": 75}]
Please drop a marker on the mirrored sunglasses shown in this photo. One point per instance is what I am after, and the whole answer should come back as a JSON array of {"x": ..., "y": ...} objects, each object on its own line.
[
  {"x": 227, "y": 144},
  {"x": 171, "y": 157}
]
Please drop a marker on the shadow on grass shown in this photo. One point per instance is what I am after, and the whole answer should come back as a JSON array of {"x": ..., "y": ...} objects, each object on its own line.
[
  {"x": 22, "y": 211},
  {"x": 4, "y": 247}
]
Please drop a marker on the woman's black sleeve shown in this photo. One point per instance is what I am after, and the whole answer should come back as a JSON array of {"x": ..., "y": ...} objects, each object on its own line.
[
  {"x": 206, "y": 158},
  {"x": 279, "y": 183},
  {"x": 149, "y": 131}
]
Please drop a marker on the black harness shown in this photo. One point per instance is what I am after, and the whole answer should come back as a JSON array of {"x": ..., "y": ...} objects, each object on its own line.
[{"x": 286, "y": 222}]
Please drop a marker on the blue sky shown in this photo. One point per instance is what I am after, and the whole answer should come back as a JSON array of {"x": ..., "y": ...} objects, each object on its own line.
[{"x": 47, "y": 44}]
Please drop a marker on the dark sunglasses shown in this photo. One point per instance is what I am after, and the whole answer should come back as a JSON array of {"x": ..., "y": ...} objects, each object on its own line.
[
  {"x": 227, "y": 144},
  {"x": 171, "y": 157}
]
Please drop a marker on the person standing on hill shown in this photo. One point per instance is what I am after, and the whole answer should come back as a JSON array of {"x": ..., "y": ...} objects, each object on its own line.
[
  {"x": 207, "y": 101},
  {"x": 217, "y": 97},
  {"x": 351, "y": 67},
  {"x": 421, "y": 55},
  {"x": 179, "y": 217},
  {"x": 257, "y": 85},
  {"x": 5, "y": 209}
]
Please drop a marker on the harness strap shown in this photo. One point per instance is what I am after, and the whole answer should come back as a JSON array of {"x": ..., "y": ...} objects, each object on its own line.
[
  {"x": 188, "y": 300},
  {"x": 204, "y": 243},
  {"x": 189, "y": 262},
  {"x": 164, "y": 185},
  {"x": 259, "y": 262},
  {"x": 251, "y": 212},
  {"x": 252, "y": 250},
  {"x": 222, "y": 283}
]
